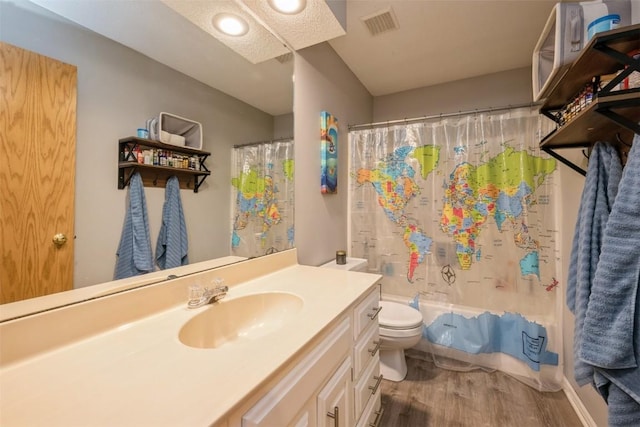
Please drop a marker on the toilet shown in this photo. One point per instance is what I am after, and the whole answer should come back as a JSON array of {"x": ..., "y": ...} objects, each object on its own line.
[{"x": 400, "y": 328}]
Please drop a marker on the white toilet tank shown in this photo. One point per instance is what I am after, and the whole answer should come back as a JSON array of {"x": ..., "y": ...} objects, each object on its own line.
[{"x": 353, "y": 264}]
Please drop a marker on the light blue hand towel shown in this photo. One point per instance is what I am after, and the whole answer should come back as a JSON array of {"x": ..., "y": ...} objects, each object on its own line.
[
  {"x": 172, "y": 245},
  {"x": 598, "y": 195},
  {"x": 134, "y": 255},
  {"x": 611, "y": 334}
]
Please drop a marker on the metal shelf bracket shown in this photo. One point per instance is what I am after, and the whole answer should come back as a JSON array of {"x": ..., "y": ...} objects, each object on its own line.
[{"x": 564, "y": 161}]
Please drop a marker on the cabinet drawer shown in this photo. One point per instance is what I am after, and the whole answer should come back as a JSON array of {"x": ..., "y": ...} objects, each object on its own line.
[
  {"x": 366, "y": 312},
  {"x": 366, "y": 349},
  {"x": 372, "y": 414},
  {"x": 367, "y": 385}
]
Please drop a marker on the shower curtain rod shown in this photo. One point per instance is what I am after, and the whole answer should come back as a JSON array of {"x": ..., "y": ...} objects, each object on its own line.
[
  {"x": 439, "y": 116},
  {"x": 268, "y": 141}
]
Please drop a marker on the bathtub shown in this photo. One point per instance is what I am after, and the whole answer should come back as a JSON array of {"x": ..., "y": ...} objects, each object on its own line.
[{"x": 544, "y": 376}]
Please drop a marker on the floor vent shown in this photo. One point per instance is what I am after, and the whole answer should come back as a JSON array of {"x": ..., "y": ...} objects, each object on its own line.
[{"x": 380, "y": 22}]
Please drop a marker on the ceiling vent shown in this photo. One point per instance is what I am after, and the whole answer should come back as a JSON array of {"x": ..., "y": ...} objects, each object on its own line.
[{"x": 380, "y": 22}]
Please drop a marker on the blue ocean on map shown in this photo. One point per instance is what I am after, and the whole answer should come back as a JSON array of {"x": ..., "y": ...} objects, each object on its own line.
[{"x": 509, "y": 333}]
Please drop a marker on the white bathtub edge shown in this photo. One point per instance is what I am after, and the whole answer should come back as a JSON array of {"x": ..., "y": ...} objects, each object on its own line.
[{"x": 579, "y": 408}]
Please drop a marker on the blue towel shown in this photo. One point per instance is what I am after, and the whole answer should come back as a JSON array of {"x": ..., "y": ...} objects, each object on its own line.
[
  {"x": 134, "y": 255},
  {"x": 600, "y": 190},
  {"x": 172, "y": 245},
  {"x": 611, "y": 334}
]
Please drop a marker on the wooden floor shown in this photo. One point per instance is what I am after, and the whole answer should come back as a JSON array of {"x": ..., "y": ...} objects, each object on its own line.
[{"x": 434, "y": 397}]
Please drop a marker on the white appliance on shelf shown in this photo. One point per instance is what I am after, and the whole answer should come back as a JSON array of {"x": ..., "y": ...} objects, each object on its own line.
[
  {"x": 175, "y": 130},
  {"x": 567, "y": 30}
]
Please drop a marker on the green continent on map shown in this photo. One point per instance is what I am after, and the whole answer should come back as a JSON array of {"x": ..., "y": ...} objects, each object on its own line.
[
  {"x": 499, "y": 189},
  {"x": 428, "y": 157},
  {"x": 288, "y": 168},
  {"x": 511, "y": 168},
  {"x": 255, "y": 198}
]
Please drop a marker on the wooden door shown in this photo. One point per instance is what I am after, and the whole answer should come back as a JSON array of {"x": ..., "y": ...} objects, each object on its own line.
[{"x": 37, "y": 169}]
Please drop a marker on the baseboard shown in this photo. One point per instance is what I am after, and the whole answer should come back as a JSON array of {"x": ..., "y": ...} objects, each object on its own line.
[{"x": 578, "y": 406}]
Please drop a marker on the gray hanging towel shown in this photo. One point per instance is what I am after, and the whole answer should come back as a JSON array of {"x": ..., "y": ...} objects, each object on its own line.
[
  {"x": 172, "y": 245},
  {"x": 134, "y": 256},
  {"x": 611, "y": 333},
  {"x": 600, "y": 190}
]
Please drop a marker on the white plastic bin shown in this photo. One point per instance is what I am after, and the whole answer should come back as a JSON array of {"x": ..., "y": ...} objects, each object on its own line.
[{"x": 175, "y": 130}]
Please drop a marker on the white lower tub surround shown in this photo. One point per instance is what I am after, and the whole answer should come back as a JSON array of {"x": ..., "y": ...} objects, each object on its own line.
[
  {"x": 132, "y": 370},
  {"x": 548, "y": 378}
]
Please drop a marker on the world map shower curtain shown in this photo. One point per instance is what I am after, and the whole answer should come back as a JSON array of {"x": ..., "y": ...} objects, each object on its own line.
[
  {"x": 461, "y": 212},
  {"x": 263, "y": 198}
]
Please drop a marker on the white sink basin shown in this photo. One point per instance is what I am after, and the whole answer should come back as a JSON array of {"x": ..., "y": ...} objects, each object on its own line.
[{"x": 246, "y": 317}]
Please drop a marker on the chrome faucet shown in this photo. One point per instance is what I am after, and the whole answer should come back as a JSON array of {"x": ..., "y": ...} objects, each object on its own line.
[{"x": 208, "y": 296}]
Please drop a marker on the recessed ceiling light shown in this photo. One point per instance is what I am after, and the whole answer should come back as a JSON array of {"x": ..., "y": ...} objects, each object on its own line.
[
  {"x": 290, "y": 7},
  {"x": 230, "y": 24}
]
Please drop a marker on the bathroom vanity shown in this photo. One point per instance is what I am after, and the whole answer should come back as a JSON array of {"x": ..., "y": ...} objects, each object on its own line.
[{"x": 288, "y": 345}]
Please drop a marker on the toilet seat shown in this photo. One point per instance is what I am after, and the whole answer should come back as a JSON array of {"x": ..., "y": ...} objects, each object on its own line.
[
  {"x": 399, "y": 317},
  {"x": 400, "y": 333}
]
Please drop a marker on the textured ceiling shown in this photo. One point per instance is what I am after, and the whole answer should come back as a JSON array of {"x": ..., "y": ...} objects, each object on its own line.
[
  {"x": 157, "y": 31},
  {"x": 440, "y": 41},
  {"x": 257, "y": 45},
  {"x": 437, "y": 41},
  {"x": 314, "y": 24}
]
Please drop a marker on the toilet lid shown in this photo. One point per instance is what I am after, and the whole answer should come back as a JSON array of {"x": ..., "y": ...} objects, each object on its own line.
[{"x": 398, "y": 316}]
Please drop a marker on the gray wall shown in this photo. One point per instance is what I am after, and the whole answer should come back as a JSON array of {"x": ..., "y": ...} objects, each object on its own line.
[
  {"x": 118, "y": 89},
  {"x": 323, "y": 83},
  {"x": 489, "y": 91},
  {"x": 283, "y": 126}
]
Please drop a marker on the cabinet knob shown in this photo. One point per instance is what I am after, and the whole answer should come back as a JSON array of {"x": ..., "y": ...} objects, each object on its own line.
[
  {"x": 335, "y": 415},
  {"x": 59, "y": 239}
]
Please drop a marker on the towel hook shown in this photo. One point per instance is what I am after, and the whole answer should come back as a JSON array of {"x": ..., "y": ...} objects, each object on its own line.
[
  {"x": 620, "y": 140},
  {"x": 155, "y": 181}
]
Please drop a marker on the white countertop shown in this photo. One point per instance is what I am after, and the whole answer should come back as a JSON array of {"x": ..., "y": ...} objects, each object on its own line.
[{"x": 140, "y": 374}]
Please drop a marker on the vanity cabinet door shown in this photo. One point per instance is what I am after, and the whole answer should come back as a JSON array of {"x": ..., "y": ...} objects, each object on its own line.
[
  {"x": 284, "y": 404},
  {"x": 306, "y": 417},
  {"x": 334, "y": 400}
]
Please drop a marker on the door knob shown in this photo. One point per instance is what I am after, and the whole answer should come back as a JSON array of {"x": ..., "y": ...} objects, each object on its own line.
[{"x": 59, "y": 239}]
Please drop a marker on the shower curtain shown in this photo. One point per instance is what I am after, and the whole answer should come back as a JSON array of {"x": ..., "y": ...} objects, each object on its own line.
[
  {"x": 263, "y": 197},
  {"x": 458, "y": 215}
]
